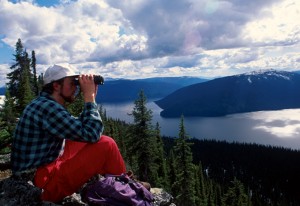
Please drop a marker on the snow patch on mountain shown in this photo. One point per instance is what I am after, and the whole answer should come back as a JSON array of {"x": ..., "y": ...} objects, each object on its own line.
[
  {"x": 266, "y": 74},
  {"x": 249, "y": 80}
]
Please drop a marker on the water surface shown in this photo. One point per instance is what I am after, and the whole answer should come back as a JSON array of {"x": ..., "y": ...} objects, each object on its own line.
[{"x": 276, "y": 128}]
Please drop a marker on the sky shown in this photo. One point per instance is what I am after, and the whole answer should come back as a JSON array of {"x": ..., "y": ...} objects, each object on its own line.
[{"x": 159, "y": 38}]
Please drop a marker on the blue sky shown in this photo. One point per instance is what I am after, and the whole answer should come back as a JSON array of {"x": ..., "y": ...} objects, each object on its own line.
[
  {"x": 142, "y": 38},
  {"x": 46, "y": 3}
]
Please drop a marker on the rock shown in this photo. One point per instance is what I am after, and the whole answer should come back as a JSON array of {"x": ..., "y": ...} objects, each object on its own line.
[
  {"x": 73, "y": 200},
  {"x": 161, "y": 197},
  {"x": 5, "y": 162},
  {"x": 18, "y": 192},
  {"x": 21, "y": 192}
]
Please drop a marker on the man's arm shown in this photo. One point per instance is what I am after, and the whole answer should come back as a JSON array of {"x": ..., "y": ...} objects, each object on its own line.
[{"x": 60, "y": 123}]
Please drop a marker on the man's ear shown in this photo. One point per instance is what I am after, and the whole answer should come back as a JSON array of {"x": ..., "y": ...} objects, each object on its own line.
[{"x": 56, "y": 86}]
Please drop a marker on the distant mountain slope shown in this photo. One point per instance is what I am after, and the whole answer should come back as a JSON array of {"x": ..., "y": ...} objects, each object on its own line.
[
  {"x": 127, "y": 90},
  {"x": 255, "y": 91},
  {"x": 122, "y": 90},
  {"x": 2, "y": 90}
]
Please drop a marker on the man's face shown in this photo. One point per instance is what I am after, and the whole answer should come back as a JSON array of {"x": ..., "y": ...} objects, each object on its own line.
[{"x": 68, "y": 89}]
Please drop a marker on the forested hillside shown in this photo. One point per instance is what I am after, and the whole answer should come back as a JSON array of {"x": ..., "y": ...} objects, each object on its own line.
[
  {"x": 248, "y": 92},
  {"x": 269, "y": 172},
  {"x": 2, "y": 90},
  {"x": 225, "y": 173},
  {"x": 125, "y": 90}
]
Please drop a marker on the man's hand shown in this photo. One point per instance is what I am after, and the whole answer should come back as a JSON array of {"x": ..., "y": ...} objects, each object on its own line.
[{"x": 88, "y": 87}]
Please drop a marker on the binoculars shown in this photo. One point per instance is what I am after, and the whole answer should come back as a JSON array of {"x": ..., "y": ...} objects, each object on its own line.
[{"x": 98, "y": 79}]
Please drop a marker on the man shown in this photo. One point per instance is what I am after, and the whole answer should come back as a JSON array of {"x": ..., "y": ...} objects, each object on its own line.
[{"x": 63, "y": 151}]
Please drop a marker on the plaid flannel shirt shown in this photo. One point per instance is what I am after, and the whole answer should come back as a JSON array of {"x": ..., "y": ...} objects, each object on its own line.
[{"x": 43, "y": 127}]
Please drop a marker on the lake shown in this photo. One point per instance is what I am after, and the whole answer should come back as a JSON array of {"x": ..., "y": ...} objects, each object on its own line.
[{"x": 276, "y": 128}]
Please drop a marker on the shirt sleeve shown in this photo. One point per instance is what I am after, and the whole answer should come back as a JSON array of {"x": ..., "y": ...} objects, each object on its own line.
[{"x": 87, "y": 128}]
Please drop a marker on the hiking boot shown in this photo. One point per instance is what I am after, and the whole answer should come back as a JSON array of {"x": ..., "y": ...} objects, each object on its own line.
[{"x": 133, "y": 177}]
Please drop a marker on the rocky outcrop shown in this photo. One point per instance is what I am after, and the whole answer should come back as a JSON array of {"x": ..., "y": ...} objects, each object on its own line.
[
  {"x": 161, "y": 197},
  {"x": 16, "y": 191}
]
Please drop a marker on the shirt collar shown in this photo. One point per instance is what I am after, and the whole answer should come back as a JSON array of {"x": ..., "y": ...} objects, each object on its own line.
[{"x": 46, "y": 95}]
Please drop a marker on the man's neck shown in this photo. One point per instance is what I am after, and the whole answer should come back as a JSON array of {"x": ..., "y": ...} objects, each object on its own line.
[{"x": 58, "y": 98}]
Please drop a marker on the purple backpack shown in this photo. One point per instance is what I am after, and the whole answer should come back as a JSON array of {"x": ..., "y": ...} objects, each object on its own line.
[{"x": 117, "y": 191}]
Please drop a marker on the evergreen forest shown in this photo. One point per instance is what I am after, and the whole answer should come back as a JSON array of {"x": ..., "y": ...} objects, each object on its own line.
[{"x": 195, "y": 172}]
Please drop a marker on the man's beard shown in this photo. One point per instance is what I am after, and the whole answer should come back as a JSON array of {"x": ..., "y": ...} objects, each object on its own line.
[{"x": 68, "y": 99}]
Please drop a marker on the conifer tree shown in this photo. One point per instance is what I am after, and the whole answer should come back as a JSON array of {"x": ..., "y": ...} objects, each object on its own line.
[
  {"x": 35, "y": 83},
  {"x": 5, "y": 138},
  {"x": 117, "y": 129},
  {"x": 236, "y": 195},
  {"x": 210, "y": 193},
  {"x": 7, "y": 122},
  {"x": 25, "y": 94},
  {"x": 142, "y": 143},
  {"x": 160, "y": 160},
  {"x": 20, "y": 79},
  {"x": 113, "y": 129},
  {"x": 172, "y": 171},
  {"x": 40, "y": 81},
  {"x": 8, "y": 113},
  {"x": 122, "y": 138},
  {"x": 197, "y": 186},
  {"x": 200, "y": 189},
  {"x": 15, "y": 76},
  {"x": 102, "y": 112},
  {"x": 185, "y": 182},
  {"x": 131, "y": 158},
  {"x": 218, "y": 194}
]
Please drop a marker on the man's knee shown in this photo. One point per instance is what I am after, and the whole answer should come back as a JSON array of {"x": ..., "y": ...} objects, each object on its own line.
[
  {"x": 105, "y": 143},
  {"x": 107, "y": 140}
]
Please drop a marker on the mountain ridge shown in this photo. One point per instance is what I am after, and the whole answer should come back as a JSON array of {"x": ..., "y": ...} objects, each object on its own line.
[
  {"x": 125, "y": 90},
  {"x": 248, "y": 92}
]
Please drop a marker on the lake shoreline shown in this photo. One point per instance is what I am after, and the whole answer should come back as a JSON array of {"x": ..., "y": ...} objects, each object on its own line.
[{"x": 279, "y": 128}]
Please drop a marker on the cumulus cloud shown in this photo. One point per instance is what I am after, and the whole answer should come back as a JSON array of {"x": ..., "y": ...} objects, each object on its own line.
[
  {"x": 4, "y": 70},
  {"x": 141, "y": 38},
  {"x": 171, "y": 28},
  {"x": 74, "y": 32}
]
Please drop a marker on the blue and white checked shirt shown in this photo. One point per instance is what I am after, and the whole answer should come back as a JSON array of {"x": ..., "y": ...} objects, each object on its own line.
[{"x": 42, "y": 128}]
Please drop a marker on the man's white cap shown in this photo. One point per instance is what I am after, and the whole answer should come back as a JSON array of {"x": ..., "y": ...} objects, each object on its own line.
[{"x": 58, "y": 71}]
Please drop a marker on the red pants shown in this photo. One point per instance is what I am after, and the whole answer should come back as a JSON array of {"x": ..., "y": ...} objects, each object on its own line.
[{"x": 79, "y": 162}]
